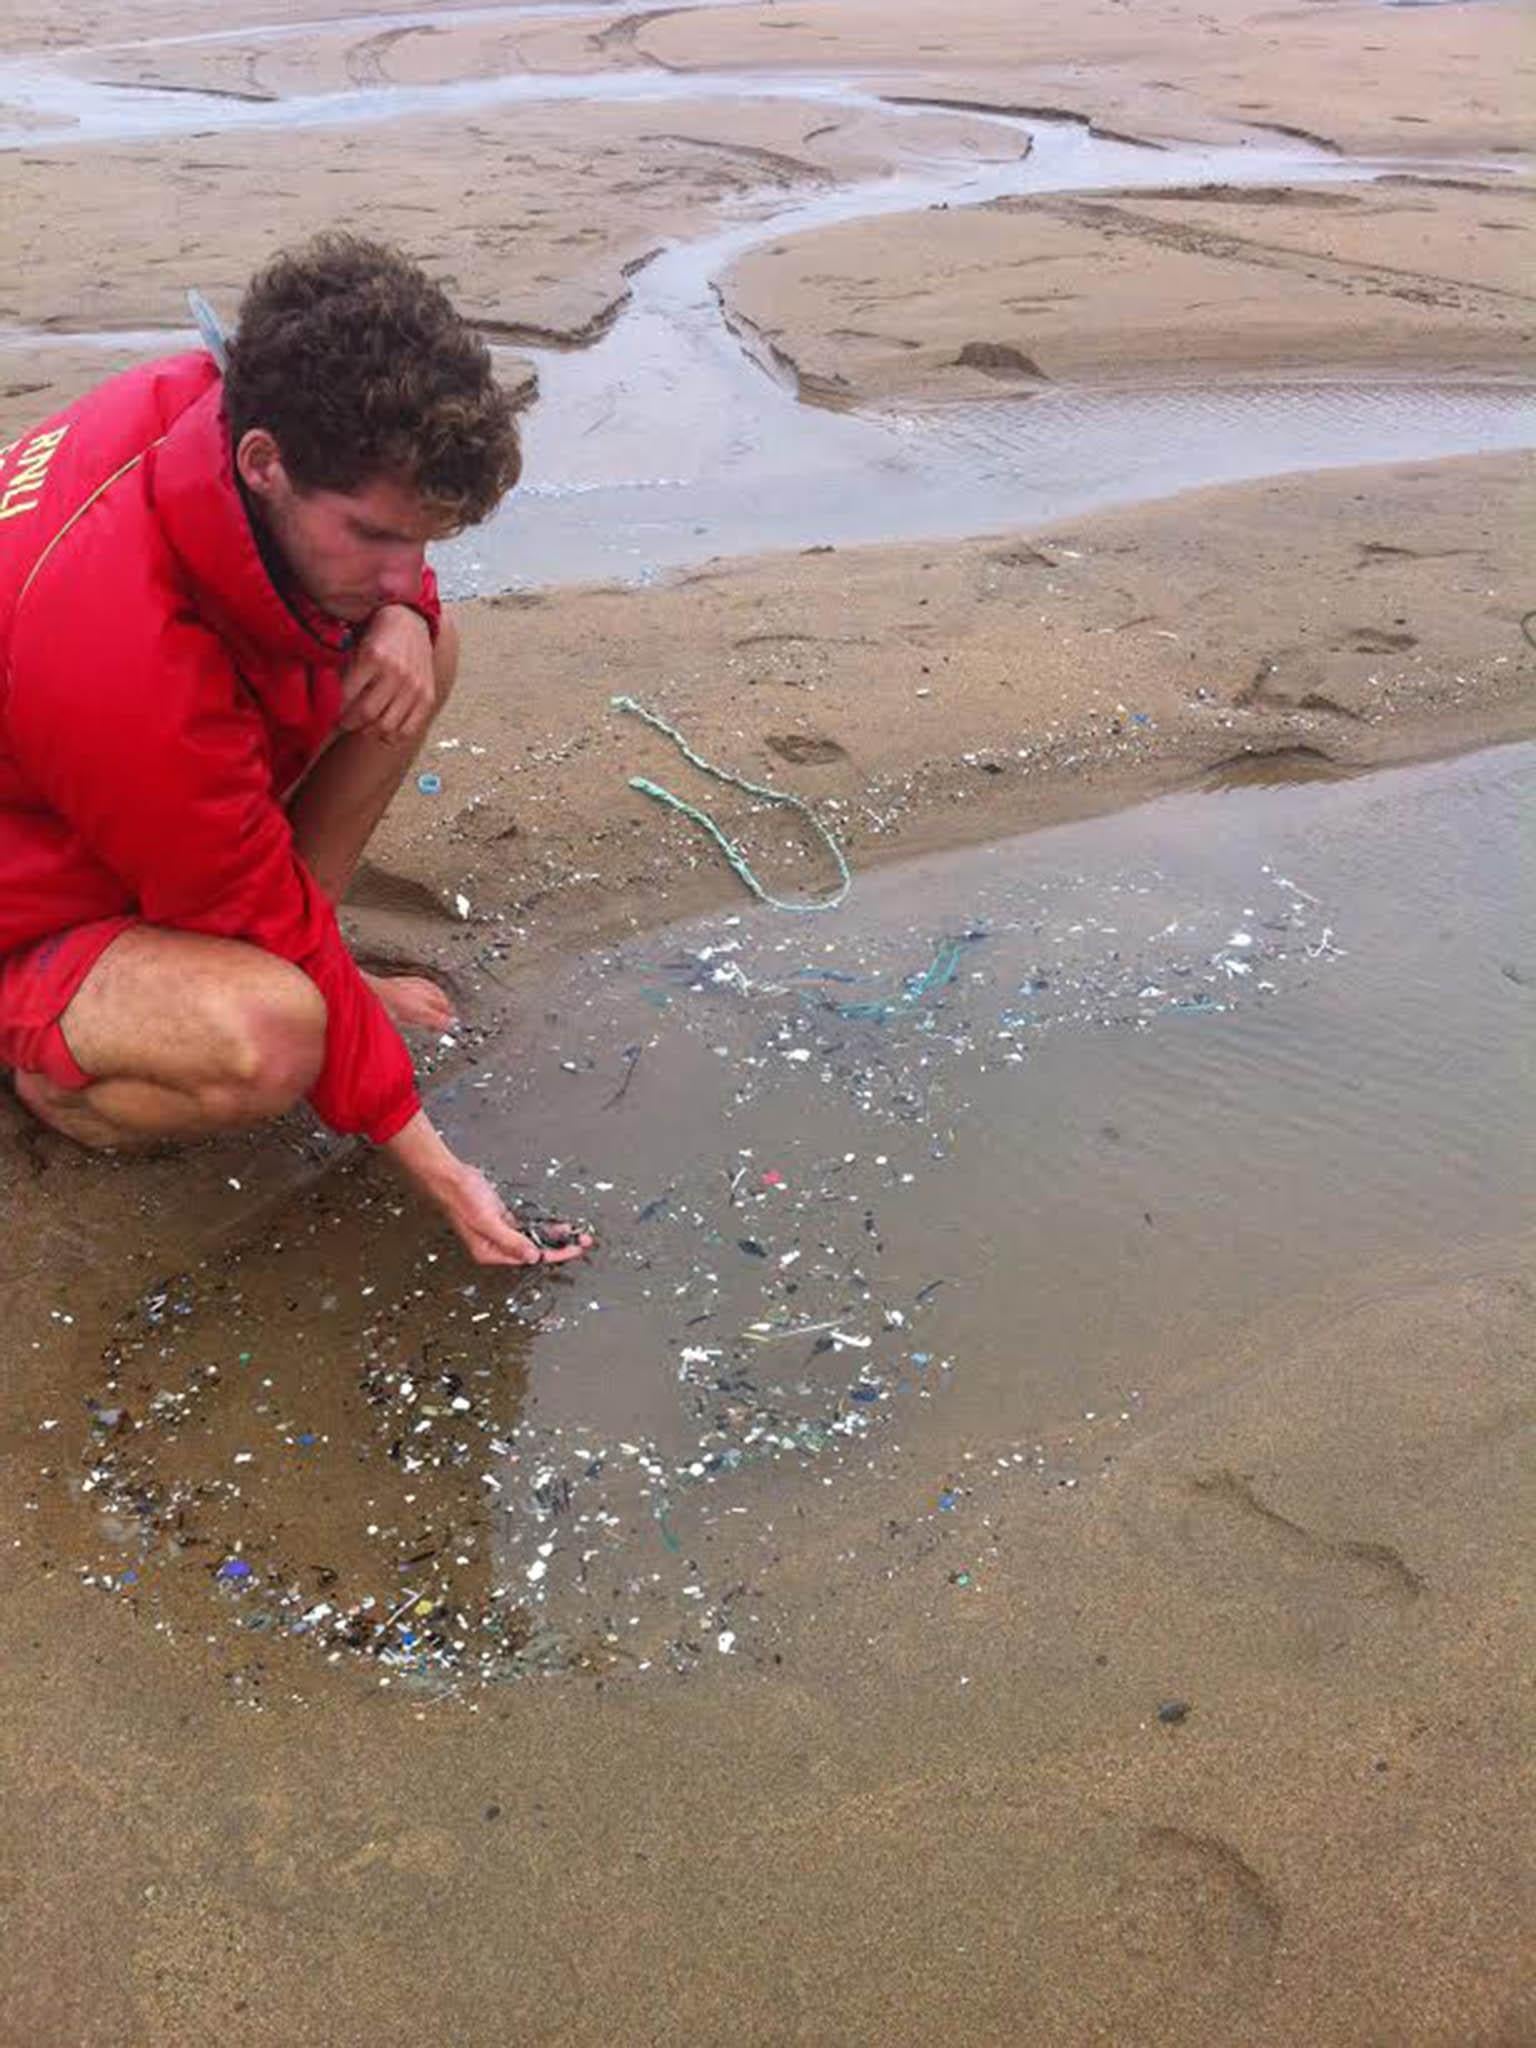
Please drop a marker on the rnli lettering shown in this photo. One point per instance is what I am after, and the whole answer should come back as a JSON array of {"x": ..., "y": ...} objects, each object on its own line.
[{"x": 23, "y": 488}]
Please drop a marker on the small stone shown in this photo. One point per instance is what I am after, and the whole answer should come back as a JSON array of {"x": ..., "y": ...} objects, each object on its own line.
[{"x": 1173, "y": 1711}]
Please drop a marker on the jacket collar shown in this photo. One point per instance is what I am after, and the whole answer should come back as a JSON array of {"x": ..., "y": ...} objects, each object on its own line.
[{"x": 203, "y": 516}]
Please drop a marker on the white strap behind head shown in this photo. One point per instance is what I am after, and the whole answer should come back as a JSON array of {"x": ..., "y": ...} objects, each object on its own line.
[{"x": 208, "y": 327}]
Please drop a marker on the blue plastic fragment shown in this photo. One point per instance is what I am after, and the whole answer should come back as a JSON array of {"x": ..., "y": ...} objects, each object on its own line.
[
  {"x": 921, "y": 1358},
  {"x": 234, "y": 1568},
  {"x": 865, "y": 1392},
  {"x": 429, "y": 784},
  {"x": 948, "y": 1502},
  {"x": 305, "y": 1437}
]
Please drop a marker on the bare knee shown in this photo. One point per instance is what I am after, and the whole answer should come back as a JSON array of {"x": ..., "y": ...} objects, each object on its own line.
[
  {"x": 273, "y": 1046},
  {"x": 445, "y": 661}
]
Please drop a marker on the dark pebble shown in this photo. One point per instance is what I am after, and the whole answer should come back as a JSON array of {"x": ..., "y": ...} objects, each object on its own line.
[{"x": 1173, "y": 1711}]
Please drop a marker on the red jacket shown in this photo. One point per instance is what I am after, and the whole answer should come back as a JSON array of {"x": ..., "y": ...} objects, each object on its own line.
[{"x": 157, "y": 699}]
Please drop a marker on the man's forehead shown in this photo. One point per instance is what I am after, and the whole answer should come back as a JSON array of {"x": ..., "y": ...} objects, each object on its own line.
[{"x": 395, "y": 507}]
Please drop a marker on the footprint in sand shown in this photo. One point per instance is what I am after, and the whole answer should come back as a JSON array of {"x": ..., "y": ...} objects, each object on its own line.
[
  {"x": 376, "y": 888},
  {"x": 1189, "y": 1898},
  {"x": 1379, "y": 1568},
  {"x": 1377, "y": 640},
  {"x": 804, "y": 748}
]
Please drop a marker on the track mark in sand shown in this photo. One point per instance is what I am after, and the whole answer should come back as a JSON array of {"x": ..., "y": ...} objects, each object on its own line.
[
  {"x": 1257, "y": 195},
  {"x": 1438, "y": 184},
  {"x": 1022, "y": 557},
  {"x": 365, "y": 60},
  {"x": 621, "y": 33},
  {"x": 781, "y": 167},
  {"x": 1325, "y": 142},
  {"x": 1319, "y": 700},
  {"x": 1384, "y": 1565},
  {"x": 376, "y": 888},
  {"x": 1377, "y": 640},
  {"x": 620, "y": 37},
  {"x": 1000, "y": 359},
  {"x": 1012, "y": 110},
  {"x": 869, "y": 334},
  {"x": 1274, "y": 768},
  {"x": 804, "y": 749},
  {"x": 1198, "y": 1897},
  {"x": 1373, "y": 551},
  {"x": 1418, "y": 286},
  {"x": 203, "y": 92}
]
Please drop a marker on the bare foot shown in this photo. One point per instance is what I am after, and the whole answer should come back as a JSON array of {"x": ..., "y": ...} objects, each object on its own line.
[{"x": 414, "y": 1003}]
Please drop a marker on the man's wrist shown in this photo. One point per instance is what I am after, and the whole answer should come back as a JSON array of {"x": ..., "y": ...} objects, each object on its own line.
[
  {"x": 416, "y": 611},
  {"x": 421, "y": 1153}
]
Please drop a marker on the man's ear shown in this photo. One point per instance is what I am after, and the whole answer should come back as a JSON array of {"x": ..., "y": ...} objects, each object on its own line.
[{"x": 259, "y": 462}]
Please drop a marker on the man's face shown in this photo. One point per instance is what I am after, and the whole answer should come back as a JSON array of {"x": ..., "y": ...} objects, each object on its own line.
[{"x": 348, "y": 551}]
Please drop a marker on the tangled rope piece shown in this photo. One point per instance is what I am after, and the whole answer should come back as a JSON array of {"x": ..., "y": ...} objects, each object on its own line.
[{"x": 728, "y": 846}]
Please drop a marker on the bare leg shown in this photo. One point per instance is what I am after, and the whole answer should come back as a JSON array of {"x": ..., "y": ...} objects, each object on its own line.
[
  {"x": 187, "y": 1035},
  {"x": 338, "y": 805},
  {"x": 335, "y": 812}
]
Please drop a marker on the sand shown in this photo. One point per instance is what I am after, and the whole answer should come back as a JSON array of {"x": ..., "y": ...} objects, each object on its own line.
[
  {"x": 1181, "y": 286},
  {"x": 1319, "y": 1550}
]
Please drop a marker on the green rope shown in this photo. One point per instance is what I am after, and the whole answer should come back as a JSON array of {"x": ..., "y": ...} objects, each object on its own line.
[{"x": 727, "y": 846}]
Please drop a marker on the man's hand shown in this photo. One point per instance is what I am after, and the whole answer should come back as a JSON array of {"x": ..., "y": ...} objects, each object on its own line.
[
  {"x": 388, "y": 686},
  {"x": 485, "y": 1226},
  {"x": 489, "y": 1233}
]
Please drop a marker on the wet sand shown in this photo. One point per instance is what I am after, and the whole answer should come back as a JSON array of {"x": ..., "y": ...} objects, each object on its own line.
[
  {"x": 853, "y": 1846},
  {"x": 1314, "y": 1543},
  {"x": 1179, "y": 285}
]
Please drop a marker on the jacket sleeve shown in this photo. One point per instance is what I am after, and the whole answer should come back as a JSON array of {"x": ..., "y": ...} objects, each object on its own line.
[
  {"x": 429, "y": 604},
  {"x": 150, "y": 749}
]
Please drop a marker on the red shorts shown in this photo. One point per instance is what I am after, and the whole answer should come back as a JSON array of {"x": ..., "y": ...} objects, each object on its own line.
[{"x": 37, "y": 985}]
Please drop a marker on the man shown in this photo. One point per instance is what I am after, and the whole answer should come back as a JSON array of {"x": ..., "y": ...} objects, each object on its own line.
[{"x": 220, "y": 649}]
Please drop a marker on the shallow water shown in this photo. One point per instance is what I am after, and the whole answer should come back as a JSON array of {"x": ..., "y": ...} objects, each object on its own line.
[
  {"x": 981, "y": 1175},
  {"x": 792, "y": 478},
  {"x": 666, "y": 443}
]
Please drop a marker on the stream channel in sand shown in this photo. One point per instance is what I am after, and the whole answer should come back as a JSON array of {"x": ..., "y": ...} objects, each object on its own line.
[
  {"x": 964, "y": 1187},
  {"x": 666, "y": 442}
]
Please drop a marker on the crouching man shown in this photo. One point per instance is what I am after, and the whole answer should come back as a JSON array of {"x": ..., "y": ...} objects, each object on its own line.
[{"x": 220, "y": 650}]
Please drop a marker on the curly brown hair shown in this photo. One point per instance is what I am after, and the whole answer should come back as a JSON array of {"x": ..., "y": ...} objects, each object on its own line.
[{"x": 359, "y": 368}]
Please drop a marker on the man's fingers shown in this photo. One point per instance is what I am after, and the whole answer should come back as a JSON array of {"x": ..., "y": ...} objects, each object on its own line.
[
  {"x": 365, "y": 708},
  {"x": 402, "y": 722},
  {"x": 395, "y": 711},
  {"x": 556, "y": 1255},
  {"x": 511, "y": 1249}
]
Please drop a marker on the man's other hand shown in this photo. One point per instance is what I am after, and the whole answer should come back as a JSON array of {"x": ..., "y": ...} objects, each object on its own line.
[{"x": 388, "y": 686}]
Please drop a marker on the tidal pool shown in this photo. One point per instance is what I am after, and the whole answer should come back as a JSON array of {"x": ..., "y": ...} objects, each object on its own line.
[{"x": 979, "y": 1176}]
